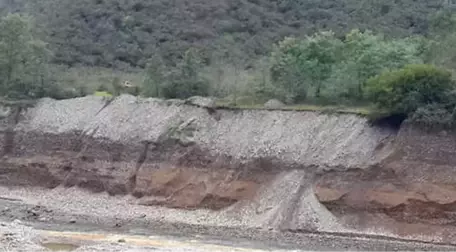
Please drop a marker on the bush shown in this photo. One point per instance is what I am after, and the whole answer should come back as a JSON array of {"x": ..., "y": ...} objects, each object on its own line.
[
  {"x": 182, "y": 82},
  {"x": 182, "y": 89},
  {"x": 406, "y": 90}
]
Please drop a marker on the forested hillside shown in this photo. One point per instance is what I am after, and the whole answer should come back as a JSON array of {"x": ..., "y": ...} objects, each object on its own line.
[
  {"x": 120, "y": 33},
  {"x": 394, "y": 57}
]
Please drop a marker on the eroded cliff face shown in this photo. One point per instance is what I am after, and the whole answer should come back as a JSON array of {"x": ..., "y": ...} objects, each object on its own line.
[
  {"x": 294, "y": 171},
  {"x": 411, "y": 192}
]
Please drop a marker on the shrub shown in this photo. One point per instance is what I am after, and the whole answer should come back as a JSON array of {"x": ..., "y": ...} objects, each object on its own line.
[
  {"x": 183, "y": 82},
  {"x": 406, "y": 90},
  {"x": 182, "y": 89}
]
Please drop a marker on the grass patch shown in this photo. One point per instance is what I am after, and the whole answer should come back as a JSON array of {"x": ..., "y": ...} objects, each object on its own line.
[
  {"x": 91, "y": 78},
  {"x": 102, "y": 94},
  {"x": 359, "y": 110}
]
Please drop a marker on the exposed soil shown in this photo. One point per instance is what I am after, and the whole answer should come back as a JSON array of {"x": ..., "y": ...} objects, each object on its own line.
[
  {"x": 379, "y": 197},
  {"x": 84, "y": 161},
  {"x": 185, "y": 177},
  {"x": 165, "y": 185}
]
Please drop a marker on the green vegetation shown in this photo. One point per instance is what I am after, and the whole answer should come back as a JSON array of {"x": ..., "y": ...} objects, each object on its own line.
[
  {"x": 423, "y": 93},
  {"x": 184, "y": 82},
  {"x": 337, "y": 55},
  {"x": 405, "y": 90},
  {"x": 25, "y": 72},
  {"x": 102, "y": 94},
  {"x": 323, "y": 67},
  {"x": 22, "y": 59}
]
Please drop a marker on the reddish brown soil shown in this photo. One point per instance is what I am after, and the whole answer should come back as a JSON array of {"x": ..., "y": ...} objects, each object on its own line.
[
  {"x": 381, "y": 191},
  {"x": 164, "y": 185},
  {"x": 192, "y": 188}
]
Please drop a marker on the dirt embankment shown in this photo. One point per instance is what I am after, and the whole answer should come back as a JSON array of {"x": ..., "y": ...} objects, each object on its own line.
[
  {"x": 173, "y": 154},
  {"x": 295, "y": 171},
  {"x": 411, "y": 192}
]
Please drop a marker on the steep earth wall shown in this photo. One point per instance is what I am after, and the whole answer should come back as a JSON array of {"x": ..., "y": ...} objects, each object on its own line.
[{"x": 296, "y": 171}]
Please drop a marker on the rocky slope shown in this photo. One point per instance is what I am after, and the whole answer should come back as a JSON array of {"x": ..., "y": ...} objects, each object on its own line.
[{"x": 285, "y": 170}]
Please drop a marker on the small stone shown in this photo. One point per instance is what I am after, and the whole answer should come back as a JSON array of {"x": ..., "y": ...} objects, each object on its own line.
[
  {"x": 72, "y": 221},
  {"x": 199, "y": 101},
  {"x": 142, "y": 216},
  {"x": 121, "y": 241}
]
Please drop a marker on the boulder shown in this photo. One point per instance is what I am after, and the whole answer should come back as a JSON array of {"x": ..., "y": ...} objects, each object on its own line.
[{"x": 274, "y": 104}]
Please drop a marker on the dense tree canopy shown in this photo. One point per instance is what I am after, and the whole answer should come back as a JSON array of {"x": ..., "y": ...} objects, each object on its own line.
[{"x": 120, "y": 33}]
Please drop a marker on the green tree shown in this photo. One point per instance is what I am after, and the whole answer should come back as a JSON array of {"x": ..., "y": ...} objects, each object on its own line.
[
  {"x": 363, "y": 57},
  {"x": 186, "y": 80},
  {"x": 299, "y": 65},
  {"x": 366, "y": 55},
  {"x": 319, "y": 54},
  {"x": 286, "y": 75},
  {"x": 23, "y": 59},
  {"x": 155, "y": 77}
]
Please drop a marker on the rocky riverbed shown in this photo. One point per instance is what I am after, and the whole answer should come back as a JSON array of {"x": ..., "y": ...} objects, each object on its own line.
[{"x": 42, "y": 220}]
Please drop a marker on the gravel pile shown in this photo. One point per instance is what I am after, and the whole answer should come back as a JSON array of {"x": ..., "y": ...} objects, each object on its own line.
[{"x": 287, "y": 203}]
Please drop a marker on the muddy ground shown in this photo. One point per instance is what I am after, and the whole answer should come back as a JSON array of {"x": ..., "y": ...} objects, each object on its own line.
[{"x": 56, "y": 210}]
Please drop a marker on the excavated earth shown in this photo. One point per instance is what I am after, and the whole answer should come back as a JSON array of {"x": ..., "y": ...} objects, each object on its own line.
[{"x": 282, "y": 171}]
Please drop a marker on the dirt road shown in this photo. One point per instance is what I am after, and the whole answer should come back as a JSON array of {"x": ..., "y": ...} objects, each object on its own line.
[{"x": 98, "y": 222}]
